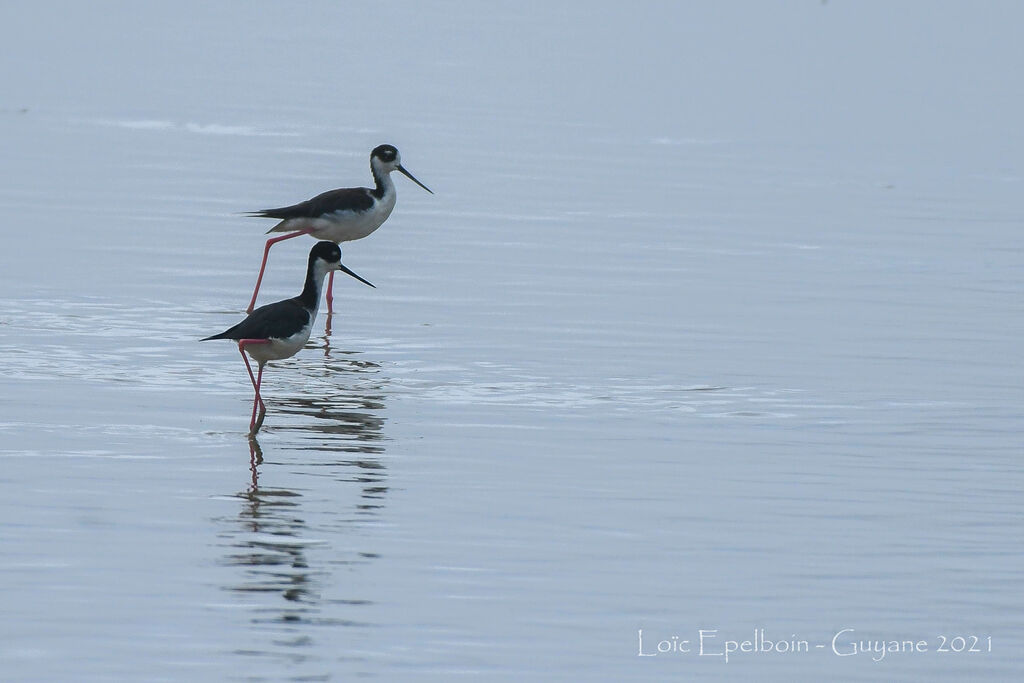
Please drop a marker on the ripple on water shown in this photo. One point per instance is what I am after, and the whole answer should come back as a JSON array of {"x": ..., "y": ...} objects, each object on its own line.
[{"x": 154, "y": 348}]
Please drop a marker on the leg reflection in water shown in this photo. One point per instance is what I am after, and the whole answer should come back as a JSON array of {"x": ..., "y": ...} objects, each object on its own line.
[{"x": 306, "y": 531}]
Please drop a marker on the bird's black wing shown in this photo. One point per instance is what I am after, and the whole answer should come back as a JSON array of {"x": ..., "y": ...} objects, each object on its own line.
[
  {"x": 345, "y": 199},
  {"x": 273, "y": 321}
]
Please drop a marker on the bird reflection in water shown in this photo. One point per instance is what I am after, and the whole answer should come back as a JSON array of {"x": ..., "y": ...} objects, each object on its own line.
[
  {"x": 348, "y": 425},
  {"x": 268, "y": 521},
  {"x": 281, "y": 537}
]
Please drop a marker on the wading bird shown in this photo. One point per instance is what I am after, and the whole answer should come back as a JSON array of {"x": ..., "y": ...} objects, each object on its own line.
[{"x": 279, "y": 330}]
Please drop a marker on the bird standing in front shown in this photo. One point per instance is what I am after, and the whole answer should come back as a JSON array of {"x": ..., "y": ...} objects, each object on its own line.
[
  {"x": 343, "y": 215},
  {"x": 277, "y": 331}
]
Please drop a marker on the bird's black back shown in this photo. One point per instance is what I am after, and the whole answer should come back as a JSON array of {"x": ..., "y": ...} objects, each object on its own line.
[
  {"x": 345, "y": 199},
  {"x": 273, "y": 321}
]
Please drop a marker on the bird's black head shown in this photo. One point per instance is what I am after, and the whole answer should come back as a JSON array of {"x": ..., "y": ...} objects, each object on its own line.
[
  {"x": 386, "y": 153},
  {"x": 325, "y": 257},
  {"x": 385, "y": 159},
  {"x": 325, "y": 251}
]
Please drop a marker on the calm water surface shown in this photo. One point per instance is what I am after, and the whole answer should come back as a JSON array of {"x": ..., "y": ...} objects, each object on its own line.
[{"x": 713, "y": 323}]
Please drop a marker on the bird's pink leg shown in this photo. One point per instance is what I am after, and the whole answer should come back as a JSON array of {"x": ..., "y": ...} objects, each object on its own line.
[
  {"x": 254, "y": 425},
  {"x": 263, "y": 265},
  {"x": 256, "y": 380},
  {"x": 330, "y": 293}
]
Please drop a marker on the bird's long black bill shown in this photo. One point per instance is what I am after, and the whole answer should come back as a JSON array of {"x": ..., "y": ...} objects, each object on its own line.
[
  {"x": 345, "y": 270},
  {"x": 409, "y": 176}
]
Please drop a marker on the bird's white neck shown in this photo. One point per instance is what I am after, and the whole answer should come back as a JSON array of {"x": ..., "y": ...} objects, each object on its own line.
[{"x": 382, "y": 179}]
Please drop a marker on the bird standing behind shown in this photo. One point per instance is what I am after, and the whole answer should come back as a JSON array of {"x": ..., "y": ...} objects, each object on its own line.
[{"x": 343, "y": 215}]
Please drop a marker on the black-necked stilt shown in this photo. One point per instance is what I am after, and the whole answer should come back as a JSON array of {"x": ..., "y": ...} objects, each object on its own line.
[
  {"x": 343, "y": 215},
  {"x": 279, "y": 330}
]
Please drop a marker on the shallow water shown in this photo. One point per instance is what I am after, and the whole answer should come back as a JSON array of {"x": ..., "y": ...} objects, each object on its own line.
[{"x": 704, "y": 328}]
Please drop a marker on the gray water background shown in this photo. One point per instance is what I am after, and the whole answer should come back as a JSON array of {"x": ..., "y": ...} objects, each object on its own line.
[{"x": 713, "y": 322}]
